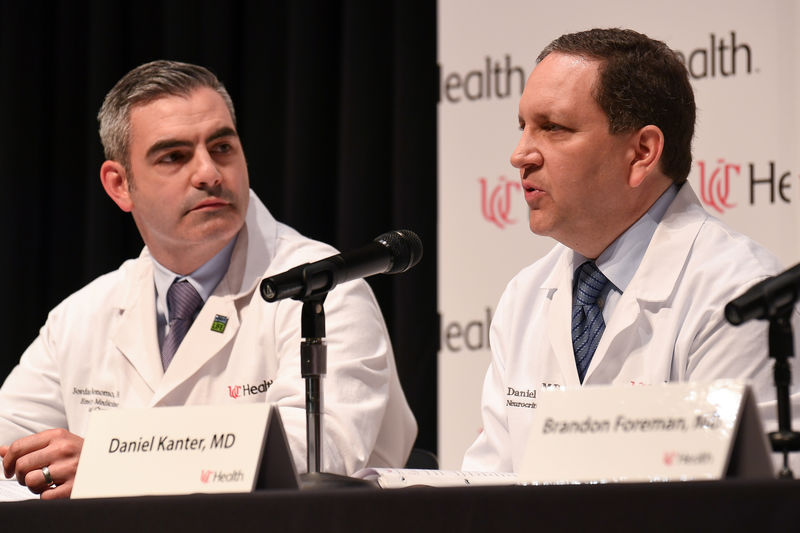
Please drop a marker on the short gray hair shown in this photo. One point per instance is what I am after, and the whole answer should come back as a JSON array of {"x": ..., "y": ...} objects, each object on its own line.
[{"x": 143, "y": 85}]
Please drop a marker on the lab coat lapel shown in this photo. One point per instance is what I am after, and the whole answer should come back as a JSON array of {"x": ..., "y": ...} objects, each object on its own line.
[
  {"x": 669, "y": 249},
  {"x": 135, "y": 333},
  {"x": 203, "y": 341},
  {"x": 559, "y": 333},
  {"x": 657, "y": 275}
]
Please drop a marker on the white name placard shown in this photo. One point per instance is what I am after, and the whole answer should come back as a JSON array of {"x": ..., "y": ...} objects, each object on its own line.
[
  {"x": 681, "y": 431},
  {"x": 180, "y": 450}
]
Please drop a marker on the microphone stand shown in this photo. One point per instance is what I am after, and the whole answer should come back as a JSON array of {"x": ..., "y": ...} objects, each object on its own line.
[
  {"x": 773, "y": 299},
  {"x": 391, "y": 253},
  {"x": 781, "y": 347},
  {"x": 313, "y": 366}
]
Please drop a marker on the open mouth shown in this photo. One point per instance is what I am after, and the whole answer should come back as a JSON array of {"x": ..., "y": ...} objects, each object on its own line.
[
  {"x": 532, "y": 194},
  {"x": 531, "y": 188}
]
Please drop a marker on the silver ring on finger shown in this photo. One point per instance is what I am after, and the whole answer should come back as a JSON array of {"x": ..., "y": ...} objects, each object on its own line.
[{"x": 48, "y": 479}]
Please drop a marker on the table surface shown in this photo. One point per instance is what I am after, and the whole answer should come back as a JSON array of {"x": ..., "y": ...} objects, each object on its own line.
[{"x": 728, "y": 505}]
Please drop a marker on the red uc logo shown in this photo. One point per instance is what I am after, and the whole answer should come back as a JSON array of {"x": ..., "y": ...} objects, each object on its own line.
[
  {"x": 715, "y": 187},
  {"x": 496, "y": 201}
]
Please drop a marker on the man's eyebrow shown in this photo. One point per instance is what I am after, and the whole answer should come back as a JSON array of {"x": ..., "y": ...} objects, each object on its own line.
[
  {"x": 224, "y": 131},
  {"x": 537, "y": 118},
  {"x": 167, "y": 144}
]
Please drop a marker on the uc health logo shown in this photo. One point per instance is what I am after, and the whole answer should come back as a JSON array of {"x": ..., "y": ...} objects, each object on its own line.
[
  {"x": 497, "y": 200},
  {"x": 216, "y": 476},
  {"x": 673, "y": 458},
  {"x": 715, "y": 184},
  {"x": 238, "y": 391},
  {"x": 764, "y": 182}
]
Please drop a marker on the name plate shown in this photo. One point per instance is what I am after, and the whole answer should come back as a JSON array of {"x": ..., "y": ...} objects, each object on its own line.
[
  {"x": 681, "y": 431},
  {"x": 182, "y": 450}
]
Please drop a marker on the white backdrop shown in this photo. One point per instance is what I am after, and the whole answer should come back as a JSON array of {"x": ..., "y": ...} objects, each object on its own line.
[{"x": 744, "y": 58}]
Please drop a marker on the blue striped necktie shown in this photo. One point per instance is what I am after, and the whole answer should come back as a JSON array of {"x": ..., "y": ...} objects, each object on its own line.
[
  {"x": 182, "y": 303},
  {"x": 587, "y": 316}
]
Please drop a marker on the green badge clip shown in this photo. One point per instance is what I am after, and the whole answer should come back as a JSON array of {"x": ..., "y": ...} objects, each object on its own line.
[{"x": 219, "y": 324}]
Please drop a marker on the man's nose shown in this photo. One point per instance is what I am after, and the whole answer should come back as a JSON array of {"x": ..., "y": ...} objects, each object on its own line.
[
  {"x": 206, "y": 171},
  {"x": 526, "y": 153}
]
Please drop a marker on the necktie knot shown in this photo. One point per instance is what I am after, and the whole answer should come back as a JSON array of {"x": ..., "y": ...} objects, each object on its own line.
[
  {"x": 591, "y": 283},
  {"x": 182, "y": 301}
]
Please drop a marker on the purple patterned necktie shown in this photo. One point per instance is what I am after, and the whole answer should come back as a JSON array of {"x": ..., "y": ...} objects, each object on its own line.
[
  {"x": 587, "y": 316},
  {"x": 182, "y": 302}
]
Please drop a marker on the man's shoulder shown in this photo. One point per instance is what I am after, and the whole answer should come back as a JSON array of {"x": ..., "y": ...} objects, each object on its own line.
[
  {"x": 286, "y": 247},
  {"x": 110, "y": 288},
  {"x": 698, "y": 262},
  {"x": 721, "y": 244},
  {"x": 293, "y": 248},
  {"x": 691, "y": 239}
]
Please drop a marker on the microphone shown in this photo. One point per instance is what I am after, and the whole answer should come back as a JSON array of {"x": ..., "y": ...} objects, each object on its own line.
[
  {"x": 766, "y": 299},
  {"x": 393, "y": 252}
]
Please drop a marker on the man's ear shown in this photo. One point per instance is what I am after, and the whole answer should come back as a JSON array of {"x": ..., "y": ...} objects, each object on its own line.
[
  {"x": 648, "y": 143},
  {"x": 115, "y": 182}
]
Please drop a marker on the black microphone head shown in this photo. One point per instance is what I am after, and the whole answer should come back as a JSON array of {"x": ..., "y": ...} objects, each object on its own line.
[
  {"x": 405, "y": 247},
  {"x": 732, "y": 314}
]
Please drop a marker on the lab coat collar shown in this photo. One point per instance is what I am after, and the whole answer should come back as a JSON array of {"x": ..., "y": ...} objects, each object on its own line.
[
  {"x": 675, "y": 236},
  {"x": 562, "y": 268}
]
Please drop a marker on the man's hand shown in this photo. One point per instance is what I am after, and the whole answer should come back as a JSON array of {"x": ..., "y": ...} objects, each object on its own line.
[{"x": 57, "y": 449}]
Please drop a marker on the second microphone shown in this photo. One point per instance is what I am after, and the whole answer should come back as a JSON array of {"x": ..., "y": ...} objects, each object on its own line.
[{"x": 393, "y": 252}]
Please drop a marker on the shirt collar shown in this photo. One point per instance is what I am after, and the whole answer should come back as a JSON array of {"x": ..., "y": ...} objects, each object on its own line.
[{"x": 205, "y": 279}]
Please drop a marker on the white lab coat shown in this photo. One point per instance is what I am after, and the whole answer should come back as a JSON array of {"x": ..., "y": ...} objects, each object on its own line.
[
  {"x": 668, "y": 326},
  {"x": 99, "y": 349}
]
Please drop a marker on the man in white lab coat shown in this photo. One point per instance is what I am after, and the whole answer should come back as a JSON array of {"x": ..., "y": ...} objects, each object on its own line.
[
  {"x": 635, "y": 292},
  {"x": 175, "y": 162}
]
